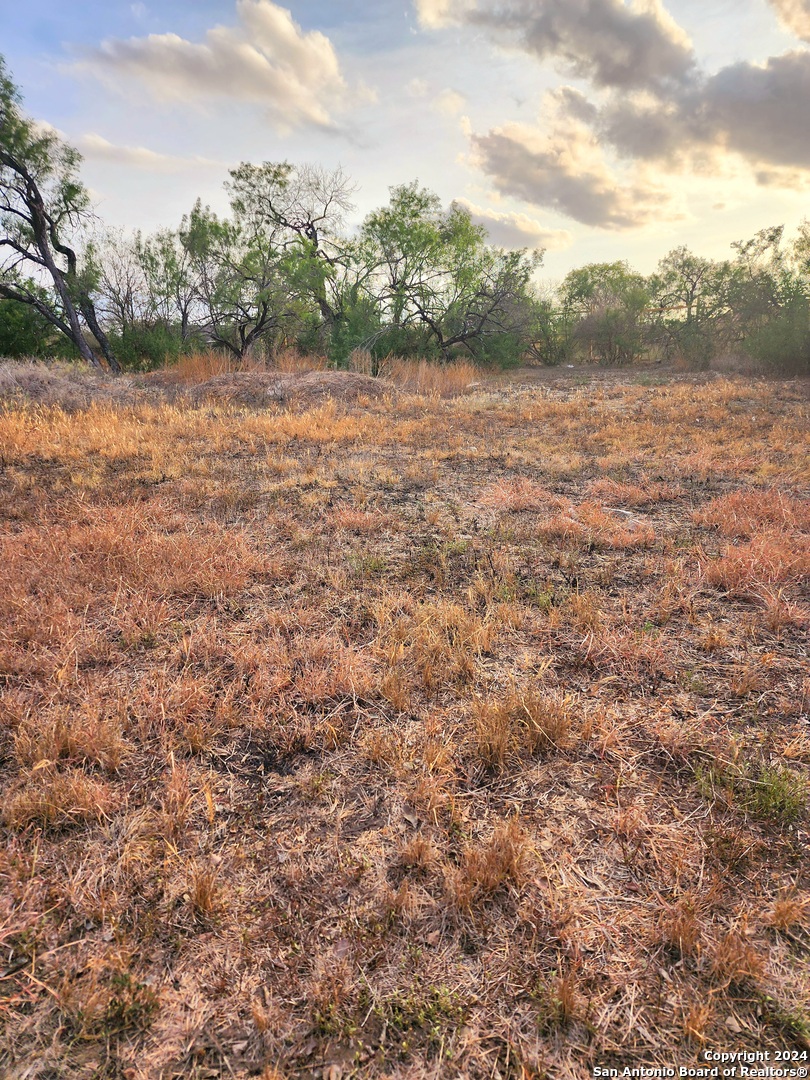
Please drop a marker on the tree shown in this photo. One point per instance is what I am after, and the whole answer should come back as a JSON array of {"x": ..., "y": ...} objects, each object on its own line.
[
  {"x": 689, "y": 299},
  {"x": 243, "y": 284},
  {"x": 169, "y": 280},
  {"x": 145, "y": 294},
  {"x": 552, "y": 337},
  {"x": 24, "y": 332},
  {"x": 300, "y": 210},
  {"x": 608, "y": 302},
  {"x": 41, "y": 203},
  {"x": 770, "y": 300},
  {"x": 433, "y": 270}
]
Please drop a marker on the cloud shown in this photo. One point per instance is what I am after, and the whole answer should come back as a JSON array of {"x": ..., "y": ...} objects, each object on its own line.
[
  {"x": 418, "y": 88},
  {"x": 434, "y": 14},
  {"x": 510, "y": 230},
  {"x": 265, "y": 59},
  {"x": 97, "y": 148},
  {"x": 449, "y": 102},
  {"x": 564, "y": 170},
  {"x": 795, "y": 15},
  {"x": 758, "y": 112},
  {"x": 606, "y": 42}
]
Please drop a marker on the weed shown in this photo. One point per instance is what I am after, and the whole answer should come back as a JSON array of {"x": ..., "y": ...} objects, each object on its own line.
[
  {"x": 424, "y": 1013},
  {"x": 769, "y": 791},
  {"x": 557, "y": 999},
  {"x": 109, "y": 1001},
  {"x": 734, "y": 960},
  {"x": 680, "y": 927}
]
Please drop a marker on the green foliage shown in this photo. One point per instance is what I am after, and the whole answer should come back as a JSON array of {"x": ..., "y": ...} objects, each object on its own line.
[
  {"x": 782, "y": 344},
  {"x": 245, "y": 285},
  {"x": 767, "y": 791},
  {"x": 144, "y": 347},
  {"x": 607, "y": 304},
  {"x": 552, "y": 334},
  {"x": 437, "y": 283},
  {"x": 42, "y": 202},
  {"x": 24, "y": 332},
  {"x": 359, "y": 326}
]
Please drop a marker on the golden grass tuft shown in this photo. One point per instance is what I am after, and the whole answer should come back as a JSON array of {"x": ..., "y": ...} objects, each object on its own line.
[
  {"x": 418, "y": 376},
  {"x": 500, "y": 863},
  {"x": 533, "y": 723},
  {"x": 56, "y": 800}
]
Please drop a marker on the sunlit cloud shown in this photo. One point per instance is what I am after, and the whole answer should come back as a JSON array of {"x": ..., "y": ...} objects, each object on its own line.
[
  {"x": 449, "y": 102},
  {"x": 758, "y": 112},
  {"x": 513, "y": 230},
  {"x": 794, "y": 15},
  {"x": 96, "y": 148},
  {"x": 265, "y": 59},
  {"x": 563, "y": 169}
]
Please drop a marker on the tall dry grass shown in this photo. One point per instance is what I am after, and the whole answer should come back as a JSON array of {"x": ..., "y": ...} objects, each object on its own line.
[
  {"x": 423, "y": 377},
  {"x": 199, "y": 367}
]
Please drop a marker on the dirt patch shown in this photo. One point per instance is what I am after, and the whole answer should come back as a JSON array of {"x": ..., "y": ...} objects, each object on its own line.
[
  {"x": 60, "y": 384},
  {"x": 274, "y": 388}
]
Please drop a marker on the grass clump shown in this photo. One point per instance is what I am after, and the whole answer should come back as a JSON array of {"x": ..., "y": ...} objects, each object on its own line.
[
  {"x": 523, "y": 723},
  {"x": 769, "y": 791}
]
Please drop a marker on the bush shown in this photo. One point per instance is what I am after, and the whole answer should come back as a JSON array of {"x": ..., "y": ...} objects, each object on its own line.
[
  {"x": 144, "y": 348},
  {"x": 24, "y": 332},
  {"x": 782, "y": 345}
]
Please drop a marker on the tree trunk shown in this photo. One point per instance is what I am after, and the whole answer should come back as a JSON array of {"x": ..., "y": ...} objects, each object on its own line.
[
  {"x": 89, "y": 313},
  {"x": 39, "y": 221}
]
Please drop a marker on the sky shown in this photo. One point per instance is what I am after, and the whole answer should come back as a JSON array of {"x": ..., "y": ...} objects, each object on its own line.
[{"x": 597, "y": 130}]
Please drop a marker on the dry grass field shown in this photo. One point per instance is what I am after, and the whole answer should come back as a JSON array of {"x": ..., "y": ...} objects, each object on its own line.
[{"x": 380, "y": 734}]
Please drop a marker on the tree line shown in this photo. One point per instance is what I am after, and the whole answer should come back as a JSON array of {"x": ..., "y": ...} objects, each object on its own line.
[{"x": 415, "y": 279}]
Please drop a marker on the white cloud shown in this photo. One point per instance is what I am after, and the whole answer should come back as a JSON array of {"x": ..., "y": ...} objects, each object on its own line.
[
  {"x": 795, "y": 15},
  {"x": 449, "y": 102},
  {"x": 418, "y": 88},
  {"x": 266, "y": 59},
  {"x": 95, "y": 147},
  {"x": 434, "y": 14},
  {"x": 513, "y": 230}
]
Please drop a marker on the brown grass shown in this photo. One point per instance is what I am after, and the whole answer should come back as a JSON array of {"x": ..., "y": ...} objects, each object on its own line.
[
  {"x": 354, "y": 734},
  {"x": 419, "y": 376}
]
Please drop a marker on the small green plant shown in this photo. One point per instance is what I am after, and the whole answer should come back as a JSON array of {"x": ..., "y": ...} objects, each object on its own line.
[
  {"x": 132, "y": 1005},
  {"x": 556, "y": 999},
  {"x": 776, "y": 792},
  {"x": 767, "y": 791},
  {"x": 794, "y": 1023},
  {"x": 427, "y": 1010}
]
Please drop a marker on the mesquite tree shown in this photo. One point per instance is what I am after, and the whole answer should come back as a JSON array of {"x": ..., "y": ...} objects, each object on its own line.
[
  {"x": 42, "y": 201},
  {"x": 432, "y": 269}
]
